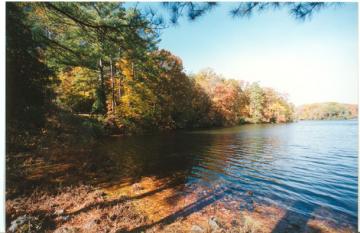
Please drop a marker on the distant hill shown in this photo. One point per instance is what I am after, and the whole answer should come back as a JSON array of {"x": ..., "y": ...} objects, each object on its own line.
[{"x": 326, "y": 111}]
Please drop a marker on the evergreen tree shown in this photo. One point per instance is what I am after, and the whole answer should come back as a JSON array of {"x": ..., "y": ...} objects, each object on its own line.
[{"x": 28, "y": 79}]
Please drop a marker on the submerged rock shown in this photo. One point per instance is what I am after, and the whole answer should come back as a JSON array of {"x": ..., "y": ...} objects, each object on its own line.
[
  {"x": 247, "y": 205},
  {"x": 137, "y": 187},
  {"x": 59, "y": 212},
  {"x": 196, "y": 229},
  {"x": 65, "y": 218},
  {"x": 242, "y": 206},
  {"x": 90, "y": 225},
  {"x": 67, "y": 230},
  {"x": 17, "y": 223},
  {"x": 27, "y": 223},
  {"x": 250, "y": 193},
  {"x": 213, "y": 224}
]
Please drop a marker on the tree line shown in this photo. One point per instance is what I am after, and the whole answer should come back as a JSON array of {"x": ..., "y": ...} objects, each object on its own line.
[
  {"x": 327, "y": 111},
  {"x": 102, "y": 60}
]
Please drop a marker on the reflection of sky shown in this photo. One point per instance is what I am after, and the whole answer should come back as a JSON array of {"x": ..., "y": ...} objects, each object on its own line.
[
  {"x": 311, "y": 163},
  {"x": 312, "y": 61}
]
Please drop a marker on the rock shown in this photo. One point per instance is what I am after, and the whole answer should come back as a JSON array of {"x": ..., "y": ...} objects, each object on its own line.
[
  {"x": 213, "y": 224},
  {"x": 18, "y": 222},
  {"x": 67, "y": 230},
  {"x": 59, "y": 212},
  {"x": 247, "y": 205},
  {"x": 196, "y": 229},
  {"x": 28, "y": 224},
  {"x": 250, "y": 193},
  {"x": 250, "y": 205},
  {"x": 90, "y": 225},
  {"x": 242, "y": 206},
  {"x": 136, "y": 187}
]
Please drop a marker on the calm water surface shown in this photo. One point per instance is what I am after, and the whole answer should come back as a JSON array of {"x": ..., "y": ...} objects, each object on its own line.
[{"x": 306, "y": 167}]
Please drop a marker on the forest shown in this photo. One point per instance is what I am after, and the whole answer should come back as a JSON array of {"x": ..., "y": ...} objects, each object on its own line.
[
  {"x": 97, "y": 67},
  {"x": 327, "y": 111}
]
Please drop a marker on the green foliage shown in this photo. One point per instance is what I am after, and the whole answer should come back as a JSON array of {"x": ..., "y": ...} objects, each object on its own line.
[
  {"x": 78, "y": 103},
  {"x": 28, "y": 79},
  {"x": 99, "y": 106},
  {"x": 90, "y": 35},
  {"x": 93, "y": 127},
  {"x": 195, "y": 10},
  {"x": 257, "y": 100},
  {"x": 76, "y": 91}
]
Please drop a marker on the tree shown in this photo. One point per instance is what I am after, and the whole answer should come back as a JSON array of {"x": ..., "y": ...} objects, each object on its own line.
[
  {"x": 106, "y": 59},
  {"x": 276, "y": 107},
  {"x": 77, "y": 89},
  {"x": 194, "y": 10},
  {"x": 257, "y": 101},
  {"x": 228, "y": 100},
  {"x": 28, "y": 79},
  {"x": 323, "y": 111},
  {"x": 92, "y": 35}
]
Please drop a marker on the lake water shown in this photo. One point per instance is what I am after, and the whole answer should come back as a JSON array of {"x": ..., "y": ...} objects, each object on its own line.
[{"x": 306, "y": 167}]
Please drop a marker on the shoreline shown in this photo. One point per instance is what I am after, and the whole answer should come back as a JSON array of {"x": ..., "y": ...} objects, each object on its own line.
[
  {"x": 78, "y": 194},
  {"x": 71, "y": 179},
  {"x": 152, "y": 205}
]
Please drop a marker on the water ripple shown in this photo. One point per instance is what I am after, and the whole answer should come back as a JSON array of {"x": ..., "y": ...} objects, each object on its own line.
[{"x": 311, "y": 163}]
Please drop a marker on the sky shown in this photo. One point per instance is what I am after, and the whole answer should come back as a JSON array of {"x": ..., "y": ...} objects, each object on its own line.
[{"x": 311, "y": 61}]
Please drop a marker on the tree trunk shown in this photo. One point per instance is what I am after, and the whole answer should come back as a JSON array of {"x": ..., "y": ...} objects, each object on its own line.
[
  {"x": 120, "y": 75},
  {"x": 102, "y": 87},
  {"x": 101, "y": 69},
  {"x": 133, "y": 70},
  {"x": 112, "y": 87}
]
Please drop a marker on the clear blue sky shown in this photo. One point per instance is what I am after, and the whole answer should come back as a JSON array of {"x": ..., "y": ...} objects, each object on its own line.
[{"x": 312, "y": 61}]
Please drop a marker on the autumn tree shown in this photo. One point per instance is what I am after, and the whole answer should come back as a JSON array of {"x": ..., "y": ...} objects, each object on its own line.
[
  {"x": 276, "y": 107},
  {"x": 106, "y": 59},
  {"x": 328, "y": 110},
  {"x": 256, "y": 102},
  {"x": 228, "y": 100},
  {"x": 77, "y": 89}
]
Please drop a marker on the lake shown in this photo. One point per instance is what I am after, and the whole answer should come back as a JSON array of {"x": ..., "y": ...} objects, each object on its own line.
[{"x": 307, "y": 167}]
